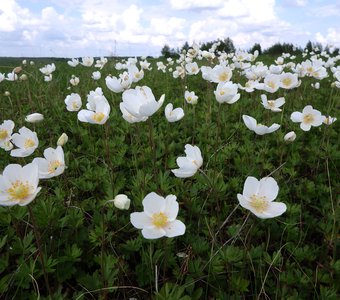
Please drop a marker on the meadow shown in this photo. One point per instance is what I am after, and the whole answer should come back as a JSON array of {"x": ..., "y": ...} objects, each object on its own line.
[{"x": 72, "y": 241}]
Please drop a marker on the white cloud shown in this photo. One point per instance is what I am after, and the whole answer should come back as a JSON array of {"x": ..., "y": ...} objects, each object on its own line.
[
  {"x": 195, "y": 4},
  {"x": 331, "y": 38}
]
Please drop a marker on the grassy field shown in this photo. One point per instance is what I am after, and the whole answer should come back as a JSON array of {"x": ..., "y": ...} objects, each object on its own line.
[{"x": 71, "y": 243}]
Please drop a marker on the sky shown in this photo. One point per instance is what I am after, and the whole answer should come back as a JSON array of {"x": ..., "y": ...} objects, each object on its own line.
[{"x": 76, "y": 28}]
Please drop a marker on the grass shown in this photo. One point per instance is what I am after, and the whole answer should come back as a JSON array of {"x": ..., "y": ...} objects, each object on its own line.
[{"x": 89, "y": 248}]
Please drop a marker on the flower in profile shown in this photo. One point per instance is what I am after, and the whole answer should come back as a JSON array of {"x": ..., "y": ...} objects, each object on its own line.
[
  {"x": 190, "y": 97},
  {"x": 189, "y": 164},
  {"x": 258, "y": 197},
  {"x": 6, "y": 130},
  {"x": 34, "y": 118},
  {"x": 140, "y": 103},
  {"x": 273, "y": 105},
  {"x": 48, "y": 77},
  {"x": 26, "y": 141},
  {"x": 12, "y": 76},
  {"x": 308, "y": 118},
  {"x": 73, "y": 102},
  {"x": 96, "y": 75},
  {"x": 159, "y": 217},
  {"x": 87, "y": 61},
  {"x": 120, "y": 84},
  {"x": 329, "y": 120},
  {"x": 173, "y": 115},
  {"x": 290, "y": 136},
  {"x": 19, "y": 185},
  {"x": 62, "y": 139},
  {"x": 2, "y": 77},
  {"x": 258, "y": 128},
  {"x": 97, "y": 113},
  {"x": 48, "y": 69},
  {"x": 121, "y": 201},
  {"x": 74, "y": 80},
  {"x": 226, "y": 92},
  {"x": 100, "y": 63},
  {"x": 52, "y": 165},
  {"x": 135, "y": 74},
  {"x": 73, "y": 62}
]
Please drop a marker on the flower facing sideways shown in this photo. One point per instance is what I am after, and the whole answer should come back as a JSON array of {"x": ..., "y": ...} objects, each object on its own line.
[
  {"x": 258, "y": 128},
  {"x": 26, "y": 141},
  {"x": 19, "y": 185},
  {"x": 52, "y": 165},
  {"x": 258, "y": 197},
  {"x": 159, "y": 217},
  {"x": 190, "y": 97},
  {"x": 308, "y": 118},
  {"x": 6, "y": 130},
  {"x": 273, "y": 105},
  {"x": 34, "y": 118},
  {"x": 189, "y": 164},
  {"x": 173, "y": 115}
]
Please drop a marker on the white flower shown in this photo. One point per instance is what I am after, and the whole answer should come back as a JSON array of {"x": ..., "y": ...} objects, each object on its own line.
[
  {"x": 273, "y": 105},
  {"x": 190, "y": 97},
  {"x": 98, "y": 115},
  {"x": 258, "y": 197},
  {"x": 62, "y": 139},
  {"x": 329, "y": 120},
  {"x": 6, "y": 130},
  {"x": 173, "y": 115},
  {"x": 48, "y": 78},
  {"x": 117, "y": 85},
  {"x": 87, "y": 61},
  {"x": 2, "y": 77},
  {"x": 34, "y": 118},
  {"x": 121, "y": 201},
  {"x": 74, "y": 80},
  {"x": 73, "y": 62},
  {"x": 188, "y": 165},
  {"x": 100, "y": 63},
  {"x": 192, "y": 68},
  {"x": 12, "y": 76},
  {"x": 220, "y": 73},
  {"x": 258, "y": 128},
  {"x": 159, "y": 217},
  {"x": 290, "y": 136},
  {"x": 226, "y": 92},
  {"x": 26, "y": 141},
  {"x": 140, "y": 103},
  {"x": 73, "y": 102},
  {"x": 135, "y": 74},
  {"x": 308, "y": 118},
  {"x": 271, "y": 83},
  {"x": 96, "y": 75},
  {"x": 289, "y": 81},
  {"x": 48, "y": 69},
  {"x": 19, "y": 185},
  {"x": 52, "y": 165}
]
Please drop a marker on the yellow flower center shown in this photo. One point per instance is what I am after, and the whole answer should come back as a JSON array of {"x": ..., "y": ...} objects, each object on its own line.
[
  {"x": 309, "y": 118},
  {"x": 189, "y": 98},
  {"x": 271, "y": 84},
  {"x": 271, "y": 103},
  {"x": 160, "y": 219},
  {"x": 98, "y": 117},
  {"x": 74, "y": 105},
  {"x": 287, "y": 81},
  {"x": 3, "y": 134},
  {"x": 53, "y": 166},
  {"x": 260, "y": 204},
  {"x": 223, "y": 76},
  {"x": 29, "y": 143},
  {"x": 19, "y": 190},
  {"x": 222, "y": 92}
]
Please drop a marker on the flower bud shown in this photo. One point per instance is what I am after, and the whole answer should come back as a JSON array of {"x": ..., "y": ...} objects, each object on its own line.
[
  {"x": 32, "y": 63},
  {"x": 23, "y": 77},
  {"x": 17, "y": 70},
  {"x": 290, "y": 136},
  {"x": 121, "y": 201},
  {"x": 7, "y": 93},
  {"x": 24, "y": 62},
  {"x": 34, "y": 118},
  {"x": 62, "y": 140}
]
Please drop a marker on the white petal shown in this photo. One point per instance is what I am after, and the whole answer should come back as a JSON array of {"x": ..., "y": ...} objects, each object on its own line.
[
  {"x": 250, "y": 122},
  {"x": 140, "y": 220},
  {"x": 174, "y": 228},
  {"x": 153, "y": 233},
  {"x": 296, "y": 117},
  {"x": 268, "y": 188},
  {"x": 171, "y": 207},
  {"x": 153, "y": 203},
  {"x": 251, "y": 187},
  {"x": 274, "y": 209}
]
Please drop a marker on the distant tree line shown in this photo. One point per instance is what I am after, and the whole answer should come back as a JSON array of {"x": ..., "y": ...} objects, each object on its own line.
[{"x": 227, "y": 45}]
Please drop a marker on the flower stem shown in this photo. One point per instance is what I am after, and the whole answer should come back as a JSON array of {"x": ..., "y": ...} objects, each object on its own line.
[{"x": 152, "y": 145}]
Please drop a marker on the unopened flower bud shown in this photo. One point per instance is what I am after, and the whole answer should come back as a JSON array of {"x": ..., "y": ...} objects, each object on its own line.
[
  {"x": 62, "y": 140},
  {"x": 7, "y": 93},
  {"x": 17, "y": 70},
  {"x": 121, "y": 201},
  {"x": 290, "y": 136},
  {"x": 23, "y": 77},
  {"x": 34, "y": 118}
]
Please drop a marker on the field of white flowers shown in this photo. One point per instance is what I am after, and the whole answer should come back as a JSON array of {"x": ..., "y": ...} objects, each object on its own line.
[{"x": 209, "y": 176}]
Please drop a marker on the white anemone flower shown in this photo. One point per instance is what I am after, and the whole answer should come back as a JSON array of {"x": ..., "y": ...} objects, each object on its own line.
[
  {"x": 226, "y": 92},
  {"x": 159, "y": 217},
  {"x": 189, "y": 164},
  {"x": 19, "y": 185},
  {"x": 26, "y": 141},
  {"x": 329, "y": 120},
  {"x": 192, "y": 68},
  {"x": 96, "y": 75},
  {"x": 73, "y": 62},
  {"x": 74, "y": 80},
  {"x": 135, "y": 74},
  {"x": 290, "y": 136},
  {"x": 6, "y": 130},
  {"x": 258, "y": 128},
  {"x": 173, "y": 115},
  {"x": 34, "y": 118},
  {"x": 140, "y": 102},
  {"x": 73, "y": 102},
  {"x": 271, "y": 83},
  {"x": 190, "y": 97},
  {"x": 308, "y": 118},
  {"x": 87, "y": 61},
  {"x": 273, "y": 105},
  {"x": 117, "y": 85},
  {"x": 52, "y": 165},
  {"x": 12, "y": 76},
  {"x": 98, "y": 115},
  {"x": 289, "y": 81},
  {"x": 258, "y": 197},
  {"x": 48, "y": 69}
]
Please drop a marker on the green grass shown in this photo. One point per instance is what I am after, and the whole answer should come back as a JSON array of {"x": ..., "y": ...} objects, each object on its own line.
[{"x": 90, "y": 248}]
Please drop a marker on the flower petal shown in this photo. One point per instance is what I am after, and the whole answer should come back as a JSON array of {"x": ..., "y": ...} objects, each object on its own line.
[{"x": 174, "y": 228}]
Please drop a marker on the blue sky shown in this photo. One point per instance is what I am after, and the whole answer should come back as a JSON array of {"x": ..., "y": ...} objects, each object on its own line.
[{"x": 75, "y": 28}]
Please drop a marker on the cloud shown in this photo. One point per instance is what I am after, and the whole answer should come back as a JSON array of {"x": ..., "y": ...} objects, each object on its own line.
[
  {"x": 195, "y": 4},
  {"x": 331, "y": 38}
]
